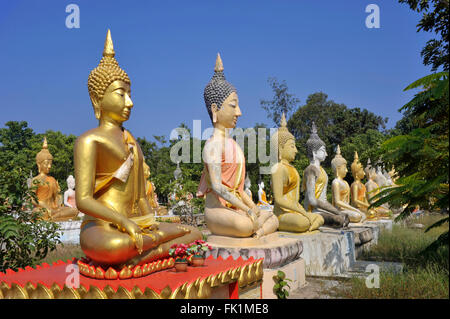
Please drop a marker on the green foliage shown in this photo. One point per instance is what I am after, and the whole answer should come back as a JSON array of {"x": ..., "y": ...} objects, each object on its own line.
[
  {"x": 283, "y": 102},
  {"x": 24, "y": 239},
  {"x": 336, "y": 124},
  {"x": 435, "y": 19},
  {"x": 281, "y": 282},
  {"x": 421, "y": 157}
]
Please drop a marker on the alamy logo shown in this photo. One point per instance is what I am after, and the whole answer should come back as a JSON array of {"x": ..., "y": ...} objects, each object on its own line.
[
  {"x": 73, "y": 19},
  {"x": 373, "y": 19}
]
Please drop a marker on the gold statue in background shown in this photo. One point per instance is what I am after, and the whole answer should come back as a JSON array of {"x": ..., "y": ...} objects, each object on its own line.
[
  {"x": 48, "y": 191},
  {"x": 118, "y": 227},
  {"x": 286, "y": 187},
  {"x": 341, "y": 190},
  {"x": 359, "y": 196},
  {"x": 151, "y": 194}
]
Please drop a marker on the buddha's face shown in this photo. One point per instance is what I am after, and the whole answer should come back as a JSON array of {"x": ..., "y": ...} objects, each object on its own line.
[
  {"x": 320, "y": 154},
  {"x": 288, "y": 150},
  {"x": 116, "y": 103},
  {"x": 71, "y": 182},
  {"x": 229, "y": 112},
  {"x": 360, "y": 172},
  {"x": 45, "y": 166},
  {"x": 261, "y": 185},
  {"x": 341, "y": 170}
]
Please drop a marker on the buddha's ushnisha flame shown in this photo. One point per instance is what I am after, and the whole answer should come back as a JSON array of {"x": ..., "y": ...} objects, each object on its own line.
[{"x": 105, "y": 73}]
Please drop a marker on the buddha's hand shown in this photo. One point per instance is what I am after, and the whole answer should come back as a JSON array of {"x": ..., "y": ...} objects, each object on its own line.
[
  {"x": 135, "y": 233},
  {"x": 254, "y": 218}
]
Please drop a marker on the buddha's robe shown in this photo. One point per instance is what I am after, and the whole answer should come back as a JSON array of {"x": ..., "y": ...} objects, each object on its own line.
[
  {"x": 344, "y": 196},
  {"x": 320, "y": 191},
  {"x": 233, "y": 173},
  {"x": 48, "y": 193},
  {"x": 290, "y": 220}
]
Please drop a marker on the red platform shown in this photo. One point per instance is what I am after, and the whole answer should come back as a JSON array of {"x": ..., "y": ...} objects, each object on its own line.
[{"x": 56, "y": 281}]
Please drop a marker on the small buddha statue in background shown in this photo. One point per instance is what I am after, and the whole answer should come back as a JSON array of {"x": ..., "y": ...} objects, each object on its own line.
[
  {"x": 48, "y": 191},
  {"x": 69, "y": 194},
  {"x": 247, "y": 184},
  {"x": 263, "y": 203},
  {"x": 341, "y": 190},
  {"x": 380, "y": 179},
  {"x": 119, "y": 228},
  {"x": 358, "y": 195},
  {"x": 229, "y": 211},
  {"x": 315, "y": 181},
  {"x": 150, "y": 192},
  {"x": 286, "y": 186}
]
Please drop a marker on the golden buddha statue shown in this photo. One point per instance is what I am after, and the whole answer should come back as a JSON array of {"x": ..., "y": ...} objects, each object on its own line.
[
  {"x": 286, "y": 187},
  {"x": 48, "y": 191},
  {"x": 119, "y": 227},
  {"x": 359, "y": 192},
  {"x": 229, "y": 211},
  {"x": 373, "y": 189},
  {"x": 341, "y": 190}
]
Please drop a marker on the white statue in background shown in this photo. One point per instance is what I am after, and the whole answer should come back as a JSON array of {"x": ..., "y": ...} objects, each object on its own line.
[{"x": 69, "y": 194}]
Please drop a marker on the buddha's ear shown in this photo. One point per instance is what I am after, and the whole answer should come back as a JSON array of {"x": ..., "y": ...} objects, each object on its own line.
[
  {"x": 214, "y": 110},
  {"x": 96, "y": 104}
]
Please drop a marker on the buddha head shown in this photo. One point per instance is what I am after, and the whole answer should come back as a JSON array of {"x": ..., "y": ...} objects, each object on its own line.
[
  {"x": 221, "y": 99},
  {"x": 146, "y": 170},
  {"x": 315, "y": 147},
  {"x": 357, "y": 169},
  {"x": 339, "y": 164},
  {"x": 70, "y": 182},
  {"x": 368, "y": 168},
  {"x": 285, "y": 142},
  {"x": 109, "y": 87},
  {"x": 247, "y": 182},
  {"x": 44, "y": 159}
]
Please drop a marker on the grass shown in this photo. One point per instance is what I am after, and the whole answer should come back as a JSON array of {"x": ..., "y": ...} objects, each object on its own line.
[
  {"x": 63, "y": 252},
  {"x": 423, "y": 277}
]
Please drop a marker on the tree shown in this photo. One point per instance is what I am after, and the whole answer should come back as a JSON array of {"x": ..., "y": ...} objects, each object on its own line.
[
  {"x": 25, "y": 239},
  {"x": 421, "y": 157},
  {"x": 435, "y": 19},
  {"x": 335, "y": 123},
  {"x": 283, "y": 102}
]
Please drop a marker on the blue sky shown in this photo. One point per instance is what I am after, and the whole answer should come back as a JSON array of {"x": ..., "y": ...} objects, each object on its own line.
[{"x": 168, "y": 49}]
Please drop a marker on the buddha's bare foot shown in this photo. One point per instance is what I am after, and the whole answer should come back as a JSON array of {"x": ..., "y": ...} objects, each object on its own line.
[{"x": 258, "y": 234}]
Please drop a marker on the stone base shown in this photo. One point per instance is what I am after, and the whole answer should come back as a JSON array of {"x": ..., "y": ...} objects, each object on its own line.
[
  {"x": 70, "y": 232},
  {"x": 294, "y": 271},
  {"x": 381, "y": 223},
  {"x": 328, "y": 253},
  {"x": 276, "y": 251}
]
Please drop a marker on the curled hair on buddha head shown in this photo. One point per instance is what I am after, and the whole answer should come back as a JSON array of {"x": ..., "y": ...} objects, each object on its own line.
[
  {"x": 44, "y": 153},
  {"x": 338, "y": 160},
  {"x": 281, "y": 136},
  {"x": 218, "y": 89},
  {"x": 314, "y": 143},
  {"x": 105, "y": 73}
]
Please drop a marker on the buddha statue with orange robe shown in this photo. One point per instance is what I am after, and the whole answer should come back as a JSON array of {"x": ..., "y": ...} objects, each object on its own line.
[
  {"x": 119, "y": 227},
  {"x": 229, "y": 211},
  {"x": 341, "y": 190},
  {"x": 48, "y": 191},
  {"x": 358, "y": 189}
]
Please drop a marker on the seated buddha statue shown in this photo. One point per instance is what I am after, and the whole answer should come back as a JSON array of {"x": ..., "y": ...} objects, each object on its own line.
[
  {"x": 229, "y": 211},
  {"x": 341, "y": 190},
  {"x": 373, "y": 189},
  {"x": 247, "y": 184},
  {"x": 118, "y": 228},
  {"x": 263, "y": 203},
  {"x": 48, "y": 191},
  {"x": 291, "y": 215},
  {"x": 359, "y": 191},
  {"x": 315, "y": 181}
]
